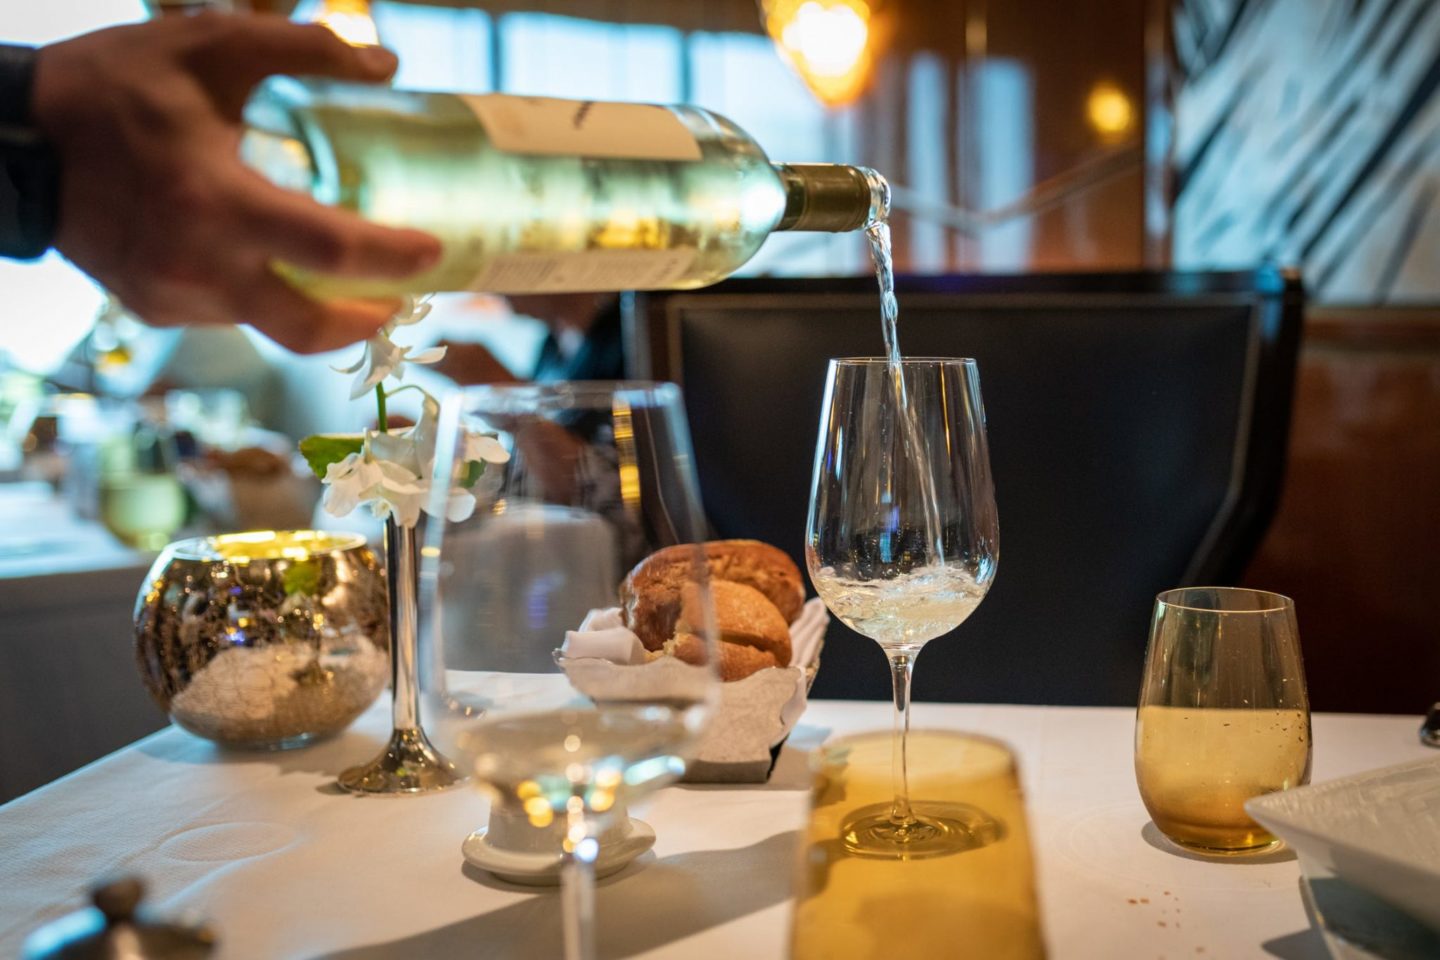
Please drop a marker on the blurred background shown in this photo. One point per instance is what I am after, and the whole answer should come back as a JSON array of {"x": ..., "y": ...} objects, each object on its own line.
[{"x": 1031, "y": 135}]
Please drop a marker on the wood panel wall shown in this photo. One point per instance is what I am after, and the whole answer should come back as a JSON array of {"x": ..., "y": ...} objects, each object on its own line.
[{"x": 1356, "y": 541}]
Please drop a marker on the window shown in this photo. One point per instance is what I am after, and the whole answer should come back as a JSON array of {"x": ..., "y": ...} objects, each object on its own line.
[
  {"x": 550, "y": 56},
  {"x": 447, "y": 49},
  {"x": 49, "y": 305},
  {"x": 742, "y": 77}
]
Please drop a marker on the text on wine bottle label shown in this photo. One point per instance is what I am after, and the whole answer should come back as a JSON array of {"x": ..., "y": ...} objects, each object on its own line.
[{"x": 583, "y": 128}]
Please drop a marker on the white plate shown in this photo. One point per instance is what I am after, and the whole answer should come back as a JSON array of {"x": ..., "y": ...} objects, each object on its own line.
[
  {"x": 1379, "y": 832},
  {"x": 1356, "y": 926}
]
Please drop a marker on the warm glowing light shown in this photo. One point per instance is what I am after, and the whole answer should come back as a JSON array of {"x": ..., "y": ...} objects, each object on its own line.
[
  {"x": 829, "y": 39},
  {"x": 1109, "y": 109},
  {"x": 538, "y": 812},
  {"x": 830, "y": 43},
  {"x": 241, "y": 548},
  {"x": 350, "y": 20}
]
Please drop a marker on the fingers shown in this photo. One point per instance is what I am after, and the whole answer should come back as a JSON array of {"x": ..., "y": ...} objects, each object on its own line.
[
  {"x": 293, "y": 228},
  {"x": 240, "y": 51},
  {"x": 254, "y": 47},
  {"x": 307, "y": 326},
  {"x": 264, "y": 301}
]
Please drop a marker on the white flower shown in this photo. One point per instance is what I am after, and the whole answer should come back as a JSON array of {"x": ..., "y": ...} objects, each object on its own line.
[
  {"x": 348, "y": 483},
  {"x": 392, "y": 472},
  {"x": 400, "y": 449},
  {"x": 411, "y": 312},
  {"x": 459, "y": 504},
  {"x": 388, "y": 486},
  {"x": 384, "y": 357},
  {"x": 400, "y": 494},
  {"x": 483, "y": 447}
]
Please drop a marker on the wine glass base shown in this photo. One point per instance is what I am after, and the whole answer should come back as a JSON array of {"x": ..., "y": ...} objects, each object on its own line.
[
  {"x": 934, "y": 830},
  {"x": 408, "y": 765}
]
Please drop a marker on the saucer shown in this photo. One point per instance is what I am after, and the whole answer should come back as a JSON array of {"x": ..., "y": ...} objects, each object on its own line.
[{"x": 543, "y": 869}]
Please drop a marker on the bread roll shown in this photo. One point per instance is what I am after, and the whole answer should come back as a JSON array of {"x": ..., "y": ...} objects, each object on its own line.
[
  {"x": 752, "y": 634},
  {"x": 743, "y": 617},
  {"x": 650, "y": 596},
  {"x": 736, "y": 662},
  {"x": 768, "y": 569}
]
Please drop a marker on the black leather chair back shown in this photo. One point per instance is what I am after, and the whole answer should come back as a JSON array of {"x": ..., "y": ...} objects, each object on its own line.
[{"x": 1137, "y": 427}]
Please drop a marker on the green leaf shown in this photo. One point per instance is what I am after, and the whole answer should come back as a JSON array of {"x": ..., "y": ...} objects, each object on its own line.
[
  {"x": 473, "y": 471},
  {"x": 303, "y": 577},
  {"x": 323, "y": 449}
]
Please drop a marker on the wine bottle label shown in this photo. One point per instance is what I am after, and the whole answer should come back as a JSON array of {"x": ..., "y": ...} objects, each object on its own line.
[
  {"x": 584, "y": 271},
  {"x": 582, "y": 128}
]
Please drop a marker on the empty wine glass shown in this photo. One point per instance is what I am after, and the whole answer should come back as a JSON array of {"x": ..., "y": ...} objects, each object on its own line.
[
  {"x": 902, "y": 543},
  {"x": 599, "y": 478}
]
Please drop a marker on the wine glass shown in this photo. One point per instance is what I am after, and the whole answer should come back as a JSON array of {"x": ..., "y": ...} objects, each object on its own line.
[
  {"x": 902, "y": 543},
  {"x": 599, "y": 478}
]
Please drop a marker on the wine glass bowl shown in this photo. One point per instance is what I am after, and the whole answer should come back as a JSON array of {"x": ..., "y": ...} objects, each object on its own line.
[
  {"x": 902, "y": 537},
  {"x": 599, "y": 478}
]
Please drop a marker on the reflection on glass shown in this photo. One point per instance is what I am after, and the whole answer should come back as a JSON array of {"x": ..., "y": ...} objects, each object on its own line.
[
  {"x": 973, "y": 901},
  {"x": 599, "y": 478}
]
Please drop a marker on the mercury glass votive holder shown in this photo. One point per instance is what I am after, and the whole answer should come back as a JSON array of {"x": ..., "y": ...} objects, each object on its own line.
[{"x": 264, "y": 640}]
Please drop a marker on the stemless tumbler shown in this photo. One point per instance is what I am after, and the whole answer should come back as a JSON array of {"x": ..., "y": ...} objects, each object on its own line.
[
  {"x": 976, "y": 900},
  {"x": 1223, "y": 715}
]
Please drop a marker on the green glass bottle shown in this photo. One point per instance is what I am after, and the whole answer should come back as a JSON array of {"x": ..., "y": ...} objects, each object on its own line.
[{"x": 541, "y": 195}]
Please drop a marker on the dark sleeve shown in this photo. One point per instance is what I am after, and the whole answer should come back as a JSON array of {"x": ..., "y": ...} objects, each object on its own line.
[
  {"x": 17, "y": 76},
  {"x": 28, "y": 171}
]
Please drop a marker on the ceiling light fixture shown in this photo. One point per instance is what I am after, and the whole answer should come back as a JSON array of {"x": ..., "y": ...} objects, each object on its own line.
[{"x": 831, "y": 44}]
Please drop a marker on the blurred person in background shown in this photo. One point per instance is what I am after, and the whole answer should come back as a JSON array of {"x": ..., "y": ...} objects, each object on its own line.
[{"x": 582, "y": 342}]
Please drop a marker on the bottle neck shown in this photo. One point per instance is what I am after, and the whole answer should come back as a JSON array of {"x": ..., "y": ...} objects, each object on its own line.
[{"x": 832, "y": 197}]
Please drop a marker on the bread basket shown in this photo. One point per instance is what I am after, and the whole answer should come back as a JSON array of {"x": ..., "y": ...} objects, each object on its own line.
[{"x": 754, "y": 716}]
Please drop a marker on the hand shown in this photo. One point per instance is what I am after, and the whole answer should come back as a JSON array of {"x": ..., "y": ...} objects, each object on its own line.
[
  {"x": 470, "y": 363},
  {"x": 155, "y": 202}
]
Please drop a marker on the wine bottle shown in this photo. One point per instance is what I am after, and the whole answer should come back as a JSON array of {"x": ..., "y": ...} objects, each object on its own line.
[{"x": 533, "y": 194}]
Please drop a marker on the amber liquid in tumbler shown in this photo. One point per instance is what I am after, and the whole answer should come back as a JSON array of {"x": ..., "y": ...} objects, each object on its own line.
[
  {"x": 1197, "y": 767},
  {"x": 979, "y": 903}
]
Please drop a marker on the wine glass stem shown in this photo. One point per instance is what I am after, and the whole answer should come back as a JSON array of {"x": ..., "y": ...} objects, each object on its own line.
[
  {"x": 901, "y": 667},
  {"x": 577, "y": 890}
]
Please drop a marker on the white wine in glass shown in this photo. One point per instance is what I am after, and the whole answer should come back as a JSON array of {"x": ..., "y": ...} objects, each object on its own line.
[
  {"x": 599, "y": 478},
  {"x": 902, "y": 542}
]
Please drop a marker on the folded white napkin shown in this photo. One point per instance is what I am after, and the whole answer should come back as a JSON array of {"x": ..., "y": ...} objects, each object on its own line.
[
  {"x": 807, "y": 633},
  {"x": 603, "y": 635},
  {"x": 739, "y": 729}
]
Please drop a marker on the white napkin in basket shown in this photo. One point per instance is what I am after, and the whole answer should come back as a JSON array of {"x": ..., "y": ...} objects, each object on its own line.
[{"x": 603, "y": 635}]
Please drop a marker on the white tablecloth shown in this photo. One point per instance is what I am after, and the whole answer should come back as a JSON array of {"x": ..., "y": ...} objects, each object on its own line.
[
  {"x": 286, "y": 866},
  {"x": 69, "y": 690}
]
